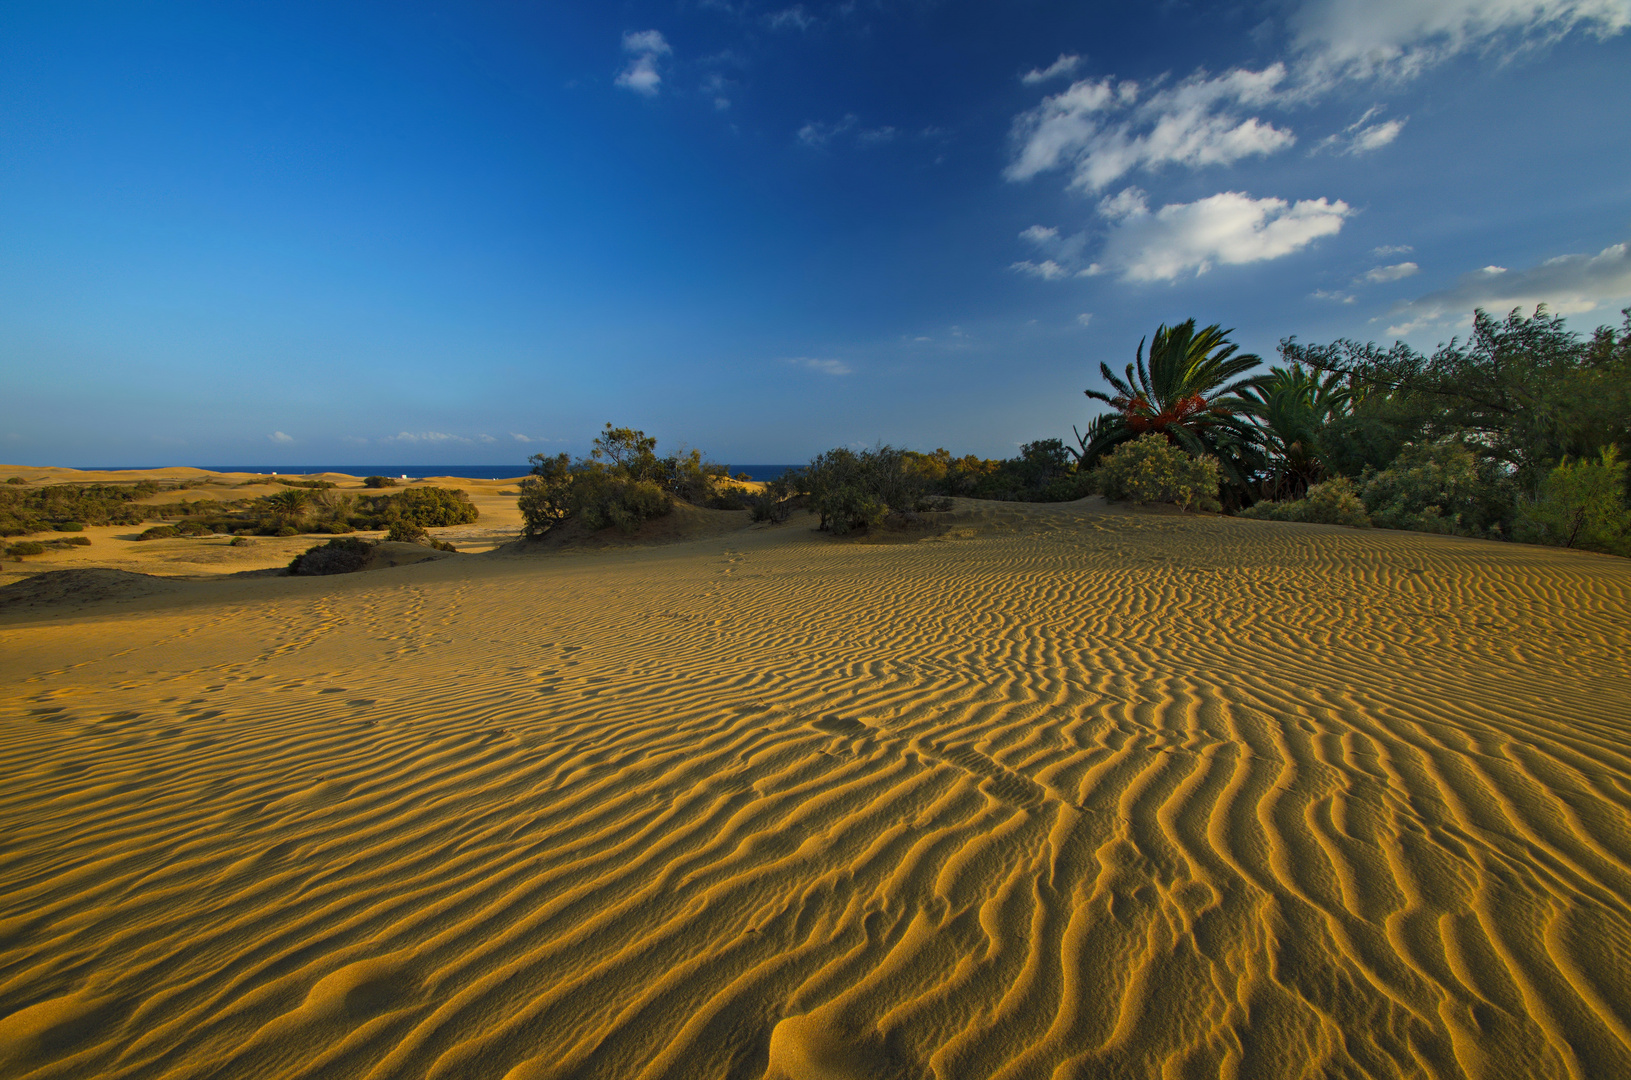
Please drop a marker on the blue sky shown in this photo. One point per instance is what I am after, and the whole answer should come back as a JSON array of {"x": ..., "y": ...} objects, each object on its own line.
[{"x": 463, "y": 233}]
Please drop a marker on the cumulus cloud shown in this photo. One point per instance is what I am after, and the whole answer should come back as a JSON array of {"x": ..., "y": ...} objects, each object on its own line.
[
  {"x": 1376, "y": 275},
  {"x": 1229, "y": 228},
  {"x": 1568, "y": 284},
  {"x": 280, "y": 437},
  {"x": 1065, "y": 65},
  {"x": 825, "y": 367},
  {"x": 1100, "y": 131},
  {"x": 645, "y": 48}
]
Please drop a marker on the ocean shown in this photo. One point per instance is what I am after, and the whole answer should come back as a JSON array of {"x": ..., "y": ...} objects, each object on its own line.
[{"x": 415, "y": 472}]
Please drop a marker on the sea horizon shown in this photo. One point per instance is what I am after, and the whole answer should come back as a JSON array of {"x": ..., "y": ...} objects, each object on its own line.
[{"x": 412, "y": 472}]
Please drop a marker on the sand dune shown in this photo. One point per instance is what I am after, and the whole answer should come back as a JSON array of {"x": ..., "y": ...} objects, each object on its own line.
[{"x": 1061, "y": 792}]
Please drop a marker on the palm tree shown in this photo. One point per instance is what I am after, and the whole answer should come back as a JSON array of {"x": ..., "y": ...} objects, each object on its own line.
[
  {"x": 1184, "y": 392},
  {"x": 1290, "y": 408}
]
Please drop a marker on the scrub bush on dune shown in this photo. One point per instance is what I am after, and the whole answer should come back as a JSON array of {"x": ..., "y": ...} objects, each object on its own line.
[
  {"x": 342, "y": 556},
  {"x": 1335, "y": 502},
  {"x": 1152, "y": 470}
]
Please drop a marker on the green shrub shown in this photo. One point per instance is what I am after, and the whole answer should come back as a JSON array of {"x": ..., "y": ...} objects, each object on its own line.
[
  {"x": 856, "y": 491},
  {"x": 1334, "y": 502},
  {"x": 546, "y": 495},
  {"x": 405, "y": 532},
  {"x": 343, "y": 556},
  {"x": 27, "y": 510},
  {"x": 16, "y": 480},
  {"x": 1152, "y": 470},
  {"x": 378, "y": 482},
  {"x": 1580, "y": 504},
  {"x": 159, "y": 532},
  {"x": 76, "y": 541},
  {"x": 600, "y": 499},
  {"x": 1438, "y": 487},
  {"x": 434, "y": 507},
  {"x": 25, "y": 547},
  {"x": 286, "y": 530},
  {"x": 767, "y": 507},
  {"x": 240, "y": 541},
  {"x": 69, "y": 526},
  {"x": 313, "y": 485}
]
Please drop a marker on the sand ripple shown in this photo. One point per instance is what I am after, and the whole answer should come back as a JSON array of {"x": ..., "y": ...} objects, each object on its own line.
[{"x": 1060, "y": 794}]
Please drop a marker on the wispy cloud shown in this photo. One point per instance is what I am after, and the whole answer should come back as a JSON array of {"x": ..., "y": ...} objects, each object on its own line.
[
  {"x": 280, "y": 437},
  {"x": 425, "y": 437},
  {"x": 791, "y": 18},
  {"x": 1190, "y": 238},
  {"x": 825, "y": 367},
  {"x": 1391, "y": 249},
  {"x": 645, "y": 48},
  {"x": 1568, "y": 284},
  {"x": 1339, "y": 297},
  {"x": 1085, "y": 318},
  {"x": 1065, "y": 65},
  {"x": 1047, "y": 269},
  {"x": 819, "y": 134},
  {"x": 1100, "y": 131}
]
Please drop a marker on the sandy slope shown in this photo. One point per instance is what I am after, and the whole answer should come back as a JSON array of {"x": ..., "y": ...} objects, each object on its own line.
[{"x": 1061, "y": 793}]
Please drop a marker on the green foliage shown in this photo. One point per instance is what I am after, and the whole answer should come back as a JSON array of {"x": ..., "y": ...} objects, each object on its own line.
[
  {"x": 405, "y": 532},
  {"x": 601, "y": 498},
  {"x": 546, "y": 495},
  {"x": 342, "y": 556},
  {"x": 159, "y": 532},
  {"x": 1580, "y": 504},
  {"x": 1044, "y": 471},
  {"x": 16, "y": 480},
  {"x": 1291, "y": 408},
  {"x": 286, "y": 530},
  {"x": 1438, "y": 487},
  {"x": 311, "y": 485},
  {"x": 1152, "y": 469},
  {"x": 240, "y": 541},
  {"x": 767, "y": 507},
  {"x": 1333, "y": 502},
  {"x": 28, "y": 510},
  {"x": 433, "y": 507},
  {"x": 378, "y": 482},
  {"x": 857, "y": 491},
  {"x": 1187, "y": 393},
  {"x": 23, "y": 548},
  {"x": 75, "y": 541},
  {"x": 69, "y": 526}
]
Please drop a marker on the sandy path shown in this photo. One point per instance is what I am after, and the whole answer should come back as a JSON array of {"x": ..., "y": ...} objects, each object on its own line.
[{"x": 1063, "y": 794}]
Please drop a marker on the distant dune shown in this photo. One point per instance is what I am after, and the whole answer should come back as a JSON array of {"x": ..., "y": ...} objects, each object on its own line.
[{"x": 1057, "y": 791}]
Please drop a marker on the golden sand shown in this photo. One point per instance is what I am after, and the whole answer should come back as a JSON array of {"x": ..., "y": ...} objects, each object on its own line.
[{"x": 1061, "y": 791}]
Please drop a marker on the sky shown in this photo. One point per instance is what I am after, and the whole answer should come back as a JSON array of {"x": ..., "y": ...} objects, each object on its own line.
[{"x": 463, "y": 233}]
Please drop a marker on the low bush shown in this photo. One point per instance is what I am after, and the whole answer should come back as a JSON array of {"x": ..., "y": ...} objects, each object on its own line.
[
  {"x": 1438, "y": 487},
  {"x": 1151, "y": 470},
  {"x": 76, "y": 541},
  {"x": 857, "y": 491},
  {"x": 16, "y": 480},
  {"x": 23, "y": 548},
  {"x": 159, "y": 532},
  {"x": 378, "y": 482},
  {"x": 1580, "y": 504},
  {"x": 312, "y": 485},
  {"x": 69, "y": 526},
  {"x": 619, "y": 485},
  {"x": 240, "y": 541},
  {"x": 1044, "y": 471},
  {"x": 767, "y": 507},
  {"x": 286, "y": 530},
  {"x": 406, "y": 532},
  {"x": 1334, "y": 502},
  {"x": 433, "y": 507},
  {"x": 28, "y": 510},
  {"x": 342, "y": 556}
]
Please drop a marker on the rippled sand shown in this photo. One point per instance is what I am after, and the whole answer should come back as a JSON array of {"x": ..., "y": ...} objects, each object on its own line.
[{"x": 1063, "y": 792}]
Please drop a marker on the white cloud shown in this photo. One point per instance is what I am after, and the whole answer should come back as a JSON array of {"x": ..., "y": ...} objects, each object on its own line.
[
  {"x": 485, "y": 439},
  {"x": 1375, "y": 136},
  {"x": 1229, "y": 228},
  {"x": 1339, "y": 39},
  {"x": 1568, "y": 285},
  {"x": 1339, "y": 297},
  {"x": 793, "y": 18},
  {"x": 279, "y": 437},
  {"x": 1065, "y": 65},
  {"x": 1047, "y": 269},
  {"x": 1103, "y": 130},
  {"x": 825, "y": 367},
  {"x": 641, "y": 74},
  {"x": 425, "y": 437},
  {"x": 1085, "y": 318},
  {"x": 1392, "y": 249},
  {"x": 1379, "y": 274},
  {"x": 1040, "y": 234}
]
